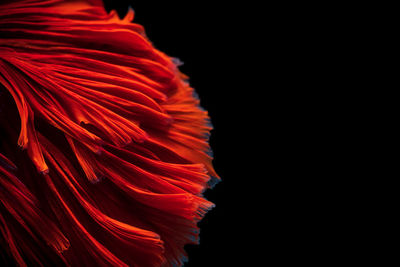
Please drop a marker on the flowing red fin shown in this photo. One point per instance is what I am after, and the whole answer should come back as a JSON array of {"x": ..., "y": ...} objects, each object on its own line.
[{"x": 115, "y": 132}]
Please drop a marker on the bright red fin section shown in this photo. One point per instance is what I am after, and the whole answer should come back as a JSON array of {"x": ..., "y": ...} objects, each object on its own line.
[{"x": 104, "y": 148}]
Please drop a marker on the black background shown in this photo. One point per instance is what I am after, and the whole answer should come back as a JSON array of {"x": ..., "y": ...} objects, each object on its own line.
[{"x": 207, "y": 38}]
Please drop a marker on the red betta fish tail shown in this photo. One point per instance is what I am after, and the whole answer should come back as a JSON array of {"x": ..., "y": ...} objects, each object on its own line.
[{"x": 104, "y": 148}]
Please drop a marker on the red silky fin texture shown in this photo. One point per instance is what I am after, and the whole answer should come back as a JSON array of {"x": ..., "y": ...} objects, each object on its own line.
[
  {"x": 18, "y": 203},
  {"x": 12, "y": 247},
  {"x": 144, "y": 246},
  {"x": 166, "y": 193},
  {"x": 114, "y": 130},
  {"x": 27, "y": 138},
  {"x": 33, "y": 87}
]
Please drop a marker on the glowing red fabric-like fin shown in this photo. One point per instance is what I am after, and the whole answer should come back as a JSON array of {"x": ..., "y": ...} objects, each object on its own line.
[{"x": 114, "y": 156}]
